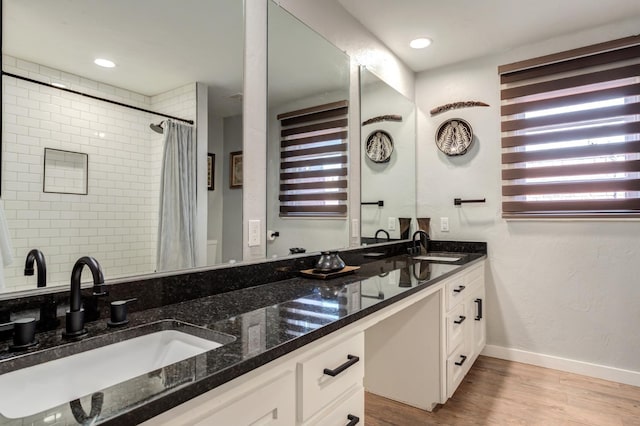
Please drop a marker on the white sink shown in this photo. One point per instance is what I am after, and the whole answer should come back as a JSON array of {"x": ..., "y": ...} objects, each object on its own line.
[
  {"x": 438, "y": 258},
  {"x": 43, "y": 386}
]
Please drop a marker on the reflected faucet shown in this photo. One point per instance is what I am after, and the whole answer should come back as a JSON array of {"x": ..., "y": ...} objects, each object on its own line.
[
  {"x": 416, "y": 244},
  {"x": 379, "y": 231},
  {"x": 36, "y": 256},
  {"x": 75, "y": 314}
]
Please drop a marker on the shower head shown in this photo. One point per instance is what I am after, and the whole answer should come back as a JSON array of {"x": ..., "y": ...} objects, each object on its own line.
[{"x": 157, "y": 127}]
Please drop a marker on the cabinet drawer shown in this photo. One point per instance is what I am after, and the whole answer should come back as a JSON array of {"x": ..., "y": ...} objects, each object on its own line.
[
  {"x": 457, "y": 320},
  {"x": 348, "y": 410},
  {"x": 328, "y": 373},
  {"x": 455, "y": 290},
  {"x": 456, "y": 372}
]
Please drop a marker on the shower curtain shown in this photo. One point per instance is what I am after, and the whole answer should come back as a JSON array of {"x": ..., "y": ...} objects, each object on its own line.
[{"x": 177, "y": 225}]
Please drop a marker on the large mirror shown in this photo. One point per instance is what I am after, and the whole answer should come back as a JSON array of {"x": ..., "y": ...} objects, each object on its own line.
[
  {"x": 308, "y": 92},
  {"x": 185, "y": 62},
  {"x": 387, "y": 165}
]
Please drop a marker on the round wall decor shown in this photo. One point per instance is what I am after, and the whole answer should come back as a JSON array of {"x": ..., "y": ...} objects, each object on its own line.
[
  {"x": 379, "y": 146},
  {"x": 454, "y": 136}
]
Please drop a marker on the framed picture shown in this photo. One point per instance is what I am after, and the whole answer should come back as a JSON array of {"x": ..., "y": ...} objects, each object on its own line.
[
  {"x": 235, "y": 169},
  {"x": 211, "y": 168}
]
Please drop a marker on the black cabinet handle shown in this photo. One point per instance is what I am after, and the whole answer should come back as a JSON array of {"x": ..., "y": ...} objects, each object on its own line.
[
  {"x": 459, "y": 289},
  {"x": 479, "y": 303},
  {"x": 463, "y": 358},
  {"x": 353, "y": 420},
  {"x": 333, "y": 373},
  {"x": 460, "y": 320}
]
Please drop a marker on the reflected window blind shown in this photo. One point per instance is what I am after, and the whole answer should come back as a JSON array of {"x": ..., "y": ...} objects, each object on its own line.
[
  {"x": 571, "y": 133},
  {"x": 313, "y": 161}
]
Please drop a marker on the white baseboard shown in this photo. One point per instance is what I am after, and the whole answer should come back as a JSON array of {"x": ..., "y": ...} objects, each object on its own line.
[{"x": 563, "y": 364}]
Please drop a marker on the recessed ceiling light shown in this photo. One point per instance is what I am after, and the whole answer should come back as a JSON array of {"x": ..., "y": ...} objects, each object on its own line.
[
  {"x": 420, "y": 43},
  {"x": 60, "y": 85},
  {"x": 104, "y": 63}
]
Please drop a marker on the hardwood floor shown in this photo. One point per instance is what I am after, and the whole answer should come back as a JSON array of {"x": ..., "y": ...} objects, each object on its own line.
[{"x": 498, "y": 392}]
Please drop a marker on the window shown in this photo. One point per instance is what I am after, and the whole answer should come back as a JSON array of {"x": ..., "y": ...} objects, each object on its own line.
[
  {"x": 571, "y": 133},
  {"x": 313, "y": 161}
]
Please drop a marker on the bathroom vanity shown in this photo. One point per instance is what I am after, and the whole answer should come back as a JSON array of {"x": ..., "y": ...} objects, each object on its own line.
[{"x": 291, "y": 351}]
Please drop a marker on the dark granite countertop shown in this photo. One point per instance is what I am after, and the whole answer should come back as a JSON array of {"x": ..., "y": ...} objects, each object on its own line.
[{"x": 267, "y": 321}]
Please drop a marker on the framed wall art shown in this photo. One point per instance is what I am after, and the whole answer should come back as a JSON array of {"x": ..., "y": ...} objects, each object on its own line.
[{"x": 235, "y": 169}]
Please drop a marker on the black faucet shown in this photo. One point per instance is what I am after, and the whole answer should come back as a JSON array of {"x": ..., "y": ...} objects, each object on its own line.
[
  {"x": 75, "y": 314},
  {"x": 379, "y": 231},
  {"x": 36, "y": 256},
  {"x": 416, "y": 244}
]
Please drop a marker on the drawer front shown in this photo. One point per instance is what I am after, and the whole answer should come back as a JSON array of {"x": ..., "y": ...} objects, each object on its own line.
[
  {"x": 456, "y": 372},
  {"x": 456, "y": 291},
  {"x": 328, "y": 374},
  {"x": 348, "y": 410},
  {"x": 272, "y": 404},
  {"x": 457, "y": 320}
]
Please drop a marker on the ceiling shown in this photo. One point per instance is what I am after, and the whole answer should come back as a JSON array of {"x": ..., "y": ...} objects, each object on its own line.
[
  {"x": 466, "y": 29},
  {"x": 157, "y": 46}
]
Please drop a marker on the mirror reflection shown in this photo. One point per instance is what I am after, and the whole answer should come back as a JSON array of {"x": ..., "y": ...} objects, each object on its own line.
[
  {"x": 178, "y": 73},
  {"x": 307, "y": 182},
  {"x": 387, "y": 161}
]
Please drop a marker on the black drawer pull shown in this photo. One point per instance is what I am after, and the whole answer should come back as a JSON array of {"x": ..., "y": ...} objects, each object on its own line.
[
  {"x": 333, "y": 373},
  {"x": 353, "y": 420},
  {"x": 460, "y": 320},
  {"x": 479, "y": 303},
  {"x": 459, "y": 289},
  {"x": 463, "y": 358}
]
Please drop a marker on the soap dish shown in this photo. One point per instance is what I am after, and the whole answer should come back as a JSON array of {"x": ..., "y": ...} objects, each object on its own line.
[{"x": 328, "y": 275}]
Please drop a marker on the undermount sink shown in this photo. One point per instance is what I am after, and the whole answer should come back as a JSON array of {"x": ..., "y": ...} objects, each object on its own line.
[
  {"x": 144, "y": 349},
  {"x": 438, "y": 258}
]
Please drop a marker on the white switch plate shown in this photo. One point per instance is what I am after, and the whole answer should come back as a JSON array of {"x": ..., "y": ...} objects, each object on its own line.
[
  {"x": 355, "y": 228},
  {"x": 391, "y": 225},
  {"x": 444, "y": 224},
  {"x": 254, "y": 233}
]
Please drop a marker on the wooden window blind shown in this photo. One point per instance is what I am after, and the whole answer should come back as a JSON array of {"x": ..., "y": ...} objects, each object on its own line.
[
  {"x": 571, "y": 133},
  {"x": 313, "y": 161}
]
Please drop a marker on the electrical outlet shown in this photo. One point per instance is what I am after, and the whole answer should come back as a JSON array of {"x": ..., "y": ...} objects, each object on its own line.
[
  {"x": 355, "y": 228},
  {"x": 254, "y": 233},
  {"x": 444, "y": 224},
  {"x": 391, "y": 224}
]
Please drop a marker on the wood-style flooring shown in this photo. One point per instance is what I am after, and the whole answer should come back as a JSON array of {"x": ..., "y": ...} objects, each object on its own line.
[{"x": 498, "y": 392}]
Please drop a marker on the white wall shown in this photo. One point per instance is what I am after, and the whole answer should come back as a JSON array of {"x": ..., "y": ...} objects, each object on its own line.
[
  {"x": 116, "y": 222},
  {"x": 561, "y": 288},
  {"x": 231, "y": 249}
]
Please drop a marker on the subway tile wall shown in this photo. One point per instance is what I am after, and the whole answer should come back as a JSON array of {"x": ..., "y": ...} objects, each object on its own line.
[{"x": 116, "y": 222}]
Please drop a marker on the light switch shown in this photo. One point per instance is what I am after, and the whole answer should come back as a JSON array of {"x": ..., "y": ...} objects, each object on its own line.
[
  {"x": 444, "y": 224},
  {"x": 254, "y": 233},
  {"x": 391, "y": 225}
]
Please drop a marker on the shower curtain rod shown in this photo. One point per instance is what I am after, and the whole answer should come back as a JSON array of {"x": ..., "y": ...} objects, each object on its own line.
[{"x": 30, "y": 80}]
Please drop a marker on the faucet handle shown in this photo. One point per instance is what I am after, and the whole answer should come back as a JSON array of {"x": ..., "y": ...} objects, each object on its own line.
[
  {"x": 24, "y": 333},
  {"x": 119, "y": 312}
]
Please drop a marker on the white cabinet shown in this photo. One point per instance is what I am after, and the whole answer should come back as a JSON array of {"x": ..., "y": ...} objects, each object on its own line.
[
  {"x": 266, "y": 400},
  {"x": 319, "y": 384},
  {"x": 327, "y": 373},
  {"x": 465, "y": 325}
]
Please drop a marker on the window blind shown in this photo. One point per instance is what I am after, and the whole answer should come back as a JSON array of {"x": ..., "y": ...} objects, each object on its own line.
[
  {"x": 571, "y": 133},
  {"x": 313, "y": 161}
]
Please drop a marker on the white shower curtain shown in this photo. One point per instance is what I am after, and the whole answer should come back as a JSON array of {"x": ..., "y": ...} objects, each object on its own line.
[{"x": 177, "y": 227}]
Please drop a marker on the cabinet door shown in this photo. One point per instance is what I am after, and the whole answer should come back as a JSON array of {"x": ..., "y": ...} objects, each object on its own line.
[{"x": 478, "y": 308}]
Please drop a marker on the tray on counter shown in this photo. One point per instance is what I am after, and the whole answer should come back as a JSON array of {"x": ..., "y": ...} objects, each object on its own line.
[{"x": 328, "y": 275}]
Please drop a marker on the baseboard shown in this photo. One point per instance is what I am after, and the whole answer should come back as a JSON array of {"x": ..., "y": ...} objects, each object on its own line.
[{"x": 563, "y": 364}]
